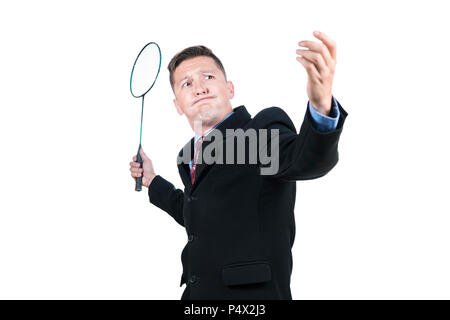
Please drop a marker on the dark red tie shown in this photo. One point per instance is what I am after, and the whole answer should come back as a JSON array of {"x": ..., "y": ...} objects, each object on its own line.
[{"x": 194, "y": 162}]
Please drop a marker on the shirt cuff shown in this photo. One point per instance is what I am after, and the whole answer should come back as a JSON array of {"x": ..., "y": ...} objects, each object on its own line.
[{"x": 322, "y": 122}]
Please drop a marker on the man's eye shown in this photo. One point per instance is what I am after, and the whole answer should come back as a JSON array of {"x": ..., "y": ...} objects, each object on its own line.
[
  {"x": 184, "y": 83},
  {"x": 210, "y": 76}
]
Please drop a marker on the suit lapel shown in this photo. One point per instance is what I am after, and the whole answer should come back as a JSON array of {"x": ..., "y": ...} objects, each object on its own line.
[
  {"x": 183, "y": 167},
  {"x": 235, "y": 121}
]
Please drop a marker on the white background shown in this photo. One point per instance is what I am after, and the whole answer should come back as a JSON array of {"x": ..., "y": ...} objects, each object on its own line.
[{"x": 71, "y": 224}]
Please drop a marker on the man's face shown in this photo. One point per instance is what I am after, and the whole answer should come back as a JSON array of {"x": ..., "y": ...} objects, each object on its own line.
[{"x": 200, "y": 78}]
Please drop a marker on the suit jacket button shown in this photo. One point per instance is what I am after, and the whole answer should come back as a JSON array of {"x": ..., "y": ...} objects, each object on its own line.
[
  {"x": 193, "y": 279},
  {"x": 191, "y": 198},
  {"x": 191, "y": 238}
]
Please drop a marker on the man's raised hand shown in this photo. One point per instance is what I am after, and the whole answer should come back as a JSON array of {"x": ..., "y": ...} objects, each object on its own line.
[{"x": 319, "y": 60}]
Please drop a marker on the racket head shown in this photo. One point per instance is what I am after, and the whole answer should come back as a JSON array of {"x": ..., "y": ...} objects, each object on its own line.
[{"x": 145, "y": 70}]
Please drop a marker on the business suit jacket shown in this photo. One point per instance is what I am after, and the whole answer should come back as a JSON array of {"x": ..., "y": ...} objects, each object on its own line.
[{"x": 240, "y": 224}]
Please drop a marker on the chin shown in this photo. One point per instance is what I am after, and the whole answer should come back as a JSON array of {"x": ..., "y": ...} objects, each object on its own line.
[{"x": 206, "y": 111}]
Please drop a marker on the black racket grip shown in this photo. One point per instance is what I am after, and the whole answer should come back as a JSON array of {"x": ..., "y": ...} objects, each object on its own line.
[{"x": 139, "y": 179}]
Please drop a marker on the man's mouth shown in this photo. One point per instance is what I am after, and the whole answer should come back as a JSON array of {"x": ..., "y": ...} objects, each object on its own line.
[{"x": 202, "y": 99}]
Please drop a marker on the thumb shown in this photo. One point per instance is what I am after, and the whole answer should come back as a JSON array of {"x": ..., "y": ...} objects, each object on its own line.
[{"x": 142, "y": 153}]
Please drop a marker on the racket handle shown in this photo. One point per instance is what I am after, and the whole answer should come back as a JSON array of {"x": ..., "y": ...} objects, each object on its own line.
[{"x": 139, "y": 179}]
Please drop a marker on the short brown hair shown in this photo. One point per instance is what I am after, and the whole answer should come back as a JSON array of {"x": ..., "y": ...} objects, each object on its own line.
[{"x": 192, "y": 52}]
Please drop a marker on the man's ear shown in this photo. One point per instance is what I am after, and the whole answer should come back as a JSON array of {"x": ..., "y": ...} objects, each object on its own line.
[
  {"x": 180, "y": 112},
  {"x": 230, "y": 87}
]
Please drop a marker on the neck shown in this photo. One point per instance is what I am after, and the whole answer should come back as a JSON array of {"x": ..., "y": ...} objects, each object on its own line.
[{"x": 201, "y": 128}]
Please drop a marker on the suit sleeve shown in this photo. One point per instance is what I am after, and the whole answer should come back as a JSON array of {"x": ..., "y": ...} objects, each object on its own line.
[
  {"x": 307, "y": 155},
  {"x": 322, "y": 122},
  {"x": 163, "y": 194}
]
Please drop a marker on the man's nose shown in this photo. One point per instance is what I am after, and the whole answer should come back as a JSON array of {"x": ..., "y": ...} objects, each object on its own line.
[{"x": 201, "y": 88}]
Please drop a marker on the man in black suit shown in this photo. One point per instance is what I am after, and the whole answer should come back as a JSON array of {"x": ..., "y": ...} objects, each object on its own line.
[{"x": 239, "y": 218}]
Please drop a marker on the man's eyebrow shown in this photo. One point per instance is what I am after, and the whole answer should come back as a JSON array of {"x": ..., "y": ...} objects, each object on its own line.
[
  {"x": 207, "y": 71},
  {"x": 201, "y": 71}
]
